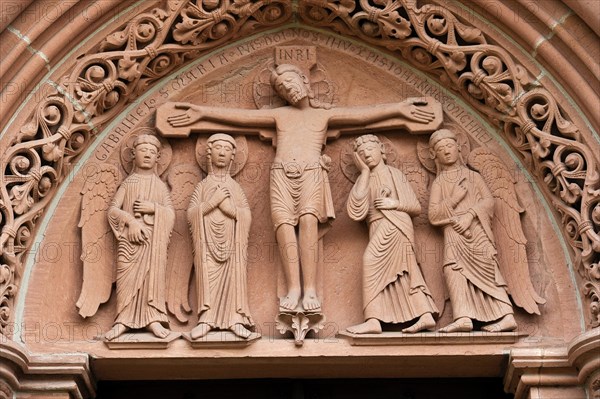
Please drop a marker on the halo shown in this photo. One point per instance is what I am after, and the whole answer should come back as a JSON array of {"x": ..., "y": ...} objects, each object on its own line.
[
  {"x": 423, "y": 147},
  {"x": 347, "y": 157},
  {"x": 239, "y": 161},
  {"x": 266, "y": 97},
  {"x": 164, "y": 157}
]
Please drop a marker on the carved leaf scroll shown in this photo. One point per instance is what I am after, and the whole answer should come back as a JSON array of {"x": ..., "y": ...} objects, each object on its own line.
[{"x": 7, "y": 292}]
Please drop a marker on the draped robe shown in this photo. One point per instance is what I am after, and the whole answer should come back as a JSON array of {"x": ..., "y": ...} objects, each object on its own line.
[
  {"x": 141, "y": 268},
  {"x": 394, "y": 290},
  {"x": 477, "y": 289},
  {"x": 220, "y": 255}
]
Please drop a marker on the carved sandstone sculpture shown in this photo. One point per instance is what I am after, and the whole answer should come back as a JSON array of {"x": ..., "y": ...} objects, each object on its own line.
[
  {"x": 394, "y": 290},
  {"x": 142, "y": 217},
  {"x": 300, "y": 193},
  {"x": 462, "y": 203},
  {"x": 534, "y": 134},
  {"x": 219, "y": 219}
]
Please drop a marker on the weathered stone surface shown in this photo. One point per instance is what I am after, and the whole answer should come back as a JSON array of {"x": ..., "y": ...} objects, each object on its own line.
[{"x": 530, "y": 91}]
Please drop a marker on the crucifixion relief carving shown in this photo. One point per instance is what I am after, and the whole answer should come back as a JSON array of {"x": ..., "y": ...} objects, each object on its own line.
[{"x": 301, "y": 204}]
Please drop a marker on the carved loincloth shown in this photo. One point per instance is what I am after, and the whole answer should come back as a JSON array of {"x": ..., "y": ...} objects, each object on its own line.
[{"x": 298, "y": 190}]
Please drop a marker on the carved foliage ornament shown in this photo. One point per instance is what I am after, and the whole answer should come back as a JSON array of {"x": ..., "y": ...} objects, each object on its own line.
[
  {"x": 5, "y": 391},
  {"x": 433, "y": 39}
]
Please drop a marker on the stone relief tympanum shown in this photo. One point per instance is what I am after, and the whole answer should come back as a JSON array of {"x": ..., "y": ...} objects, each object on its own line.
[
  {"x": 531, "y": 117},
  {"x": 300, "y": 195}
]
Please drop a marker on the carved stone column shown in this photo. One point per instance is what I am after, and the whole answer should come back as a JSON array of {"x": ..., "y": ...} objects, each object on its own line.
[
  {"x": 64, "y": 376},
  {"x": 584, "y": 355},
  {"x": 542, "y": 373},
  {"x": 557, "y": 371}
]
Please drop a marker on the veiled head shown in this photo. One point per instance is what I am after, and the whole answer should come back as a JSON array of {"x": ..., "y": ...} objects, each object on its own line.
[{"x": 220, "y": 150}]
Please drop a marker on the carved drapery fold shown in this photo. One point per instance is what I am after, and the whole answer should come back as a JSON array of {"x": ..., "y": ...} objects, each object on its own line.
[{"x": 432, "y": 38}]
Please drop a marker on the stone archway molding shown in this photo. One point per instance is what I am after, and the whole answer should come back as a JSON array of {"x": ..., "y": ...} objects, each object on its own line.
[
  {"x": 65, "y": 376},
  {"x": 154, "y": 43}
]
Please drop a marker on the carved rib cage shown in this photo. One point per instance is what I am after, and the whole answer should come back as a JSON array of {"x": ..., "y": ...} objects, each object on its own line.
[{"x": 161, "y": 40}]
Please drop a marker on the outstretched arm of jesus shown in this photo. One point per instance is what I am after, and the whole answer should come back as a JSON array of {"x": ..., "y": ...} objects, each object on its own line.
[
  {"x": 191, "y": 113},
  {"x": 182, "y": 118},
  {"x": 413, "y": 110}
]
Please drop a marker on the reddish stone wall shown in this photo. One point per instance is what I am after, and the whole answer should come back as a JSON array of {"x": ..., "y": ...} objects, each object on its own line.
[{"x": 41, "y": 42}]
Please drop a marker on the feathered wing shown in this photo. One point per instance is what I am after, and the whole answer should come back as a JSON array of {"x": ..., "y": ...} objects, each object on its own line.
[
  {"x": 98, "y": 242},
  {"x": 182, "y": 180},
  {"x": 510, "y": 239}
]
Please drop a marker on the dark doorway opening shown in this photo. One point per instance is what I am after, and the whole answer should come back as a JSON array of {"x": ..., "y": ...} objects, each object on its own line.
[{"x": 440, "y": 388}]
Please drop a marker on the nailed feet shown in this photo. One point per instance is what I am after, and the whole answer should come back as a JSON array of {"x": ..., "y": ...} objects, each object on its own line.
[
  {"x": 310, "y": 301},
  {"x": 290, "y": 301}
]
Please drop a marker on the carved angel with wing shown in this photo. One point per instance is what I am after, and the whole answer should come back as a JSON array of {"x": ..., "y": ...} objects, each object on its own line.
[
  {"x": 142, "y": 217},
  {"x": 480, "y": 227}
]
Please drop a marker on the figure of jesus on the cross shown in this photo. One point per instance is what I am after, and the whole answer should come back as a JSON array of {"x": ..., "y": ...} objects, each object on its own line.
[{"x": 300, "y": 193}]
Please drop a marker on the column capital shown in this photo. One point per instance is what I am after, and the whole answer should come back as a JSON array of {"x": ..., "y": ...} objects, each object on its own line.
[
  {"x": 557, "y": 371},
  {"x": 584, "y": 355}
]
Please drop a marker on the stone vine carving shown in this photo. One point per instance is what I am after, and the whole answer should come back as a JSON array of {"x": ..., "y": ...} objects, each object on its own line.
[
  {"x": 5, "y": 390},
  {"x": 7, "y": 292},
  {"x": 157, "y": 42},
  {"x": 596, "y": 388},
  {"x": 433, "y": 39},
  {"x": 591, "y": 288},
  {"x": 123, "y": 66}
]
